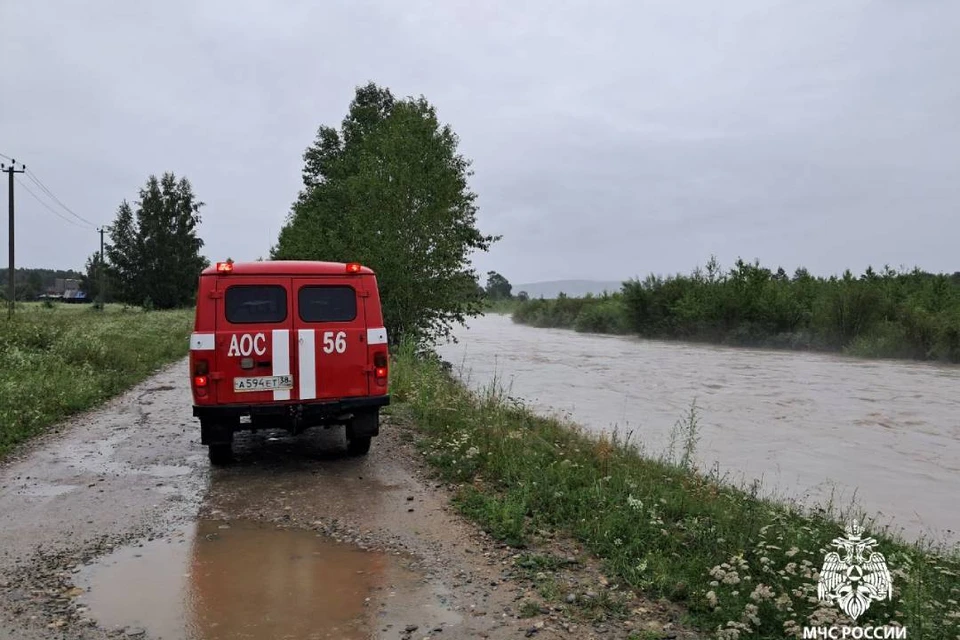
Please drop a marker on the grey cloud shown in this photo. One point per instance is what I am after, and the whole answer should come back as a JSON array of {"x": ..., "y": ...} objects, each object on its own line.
[{"x": 609, "y": 139}]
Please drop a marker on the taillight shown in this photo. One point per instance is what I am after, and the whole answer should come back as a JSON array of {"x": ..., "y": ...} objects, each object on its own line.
[
  {"x": 201, "y": 368},
  {"x": 380, "y": 365}
]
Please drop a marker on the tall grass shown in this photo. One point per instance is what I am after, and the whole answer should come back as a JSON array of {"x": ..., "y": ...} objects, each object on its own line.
[
  {"x": 742, "y": 566},
  {"x": 905, "y": 314},
  {"x": 56, "y": 361}
]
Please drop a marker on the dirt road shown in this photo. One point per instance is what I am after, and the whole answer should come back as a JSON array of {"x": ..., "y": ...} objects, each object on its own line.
[{"x": 114, "y": 525}]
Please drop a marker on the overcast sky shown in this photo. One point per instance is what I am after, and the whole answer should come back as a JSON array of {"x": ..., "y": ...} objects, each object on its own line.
[{"x": 609, "y": 138}]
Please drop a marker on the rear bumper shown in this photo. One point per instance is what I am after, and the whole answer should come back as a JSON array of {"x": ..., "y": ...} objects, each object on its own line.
[{"x": 300, "y": 410}]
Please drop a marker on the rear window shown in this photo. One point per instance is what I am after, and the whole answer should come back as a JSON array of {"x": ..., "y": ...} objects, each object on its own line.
[
  {"x": 249, "y": 303},
  {"x": 327, "y": 303}
]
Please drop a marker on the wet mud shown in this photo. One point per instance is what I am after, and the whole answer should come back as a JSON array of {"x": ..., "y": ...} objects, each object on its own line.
[{"x": 115, "y": 526}]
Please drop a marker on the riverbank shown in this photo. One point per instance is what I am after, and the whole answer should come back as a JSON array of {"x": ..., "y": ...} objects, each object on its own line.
[
  {"x": 735, "y": 562},
  {"x": 938, "y": 342},
  {"x": 890, "y": 314},
  {"x": 55, "y": 362}
]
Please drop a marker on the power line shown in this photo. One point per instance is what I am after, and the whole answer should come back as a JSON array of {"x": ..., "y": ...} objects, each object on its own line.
[
  {"x": 6, "y": 157},
  {"x": 37, "y": 181},
  {"x": 48, "y": 207}
]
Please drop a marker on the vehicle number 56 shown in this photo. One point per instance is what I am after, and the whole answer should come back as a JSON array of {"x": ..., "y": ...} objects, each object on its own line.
[{"x": 331, "y": 343}]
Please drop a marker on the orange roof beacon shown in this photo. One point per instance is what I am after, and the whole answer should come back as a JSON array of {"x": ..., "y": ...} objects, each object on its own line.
[{"x": 288, "y": 344}]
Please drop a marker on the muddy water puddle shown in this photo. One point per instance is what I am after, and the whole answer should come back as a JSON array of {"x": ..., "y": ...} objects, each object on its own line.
[{"x": 216, "y": 580}]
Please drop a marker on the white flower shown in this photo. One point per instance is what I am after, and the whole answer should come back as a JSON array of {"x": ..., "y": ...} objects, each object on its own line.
[
  {"x": 761, "y": 593},
  {"x": 731, "y": 578}
]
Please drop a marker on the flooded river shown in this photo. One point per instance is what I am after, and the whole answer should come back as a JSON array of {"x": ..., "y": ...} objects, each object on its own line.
[{"x": 882, "y": 435}]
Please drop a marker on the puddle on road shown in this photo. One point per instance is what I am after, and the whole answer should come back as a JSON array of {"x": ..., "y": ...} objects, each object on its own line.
[{"x": 244, "y": 580}]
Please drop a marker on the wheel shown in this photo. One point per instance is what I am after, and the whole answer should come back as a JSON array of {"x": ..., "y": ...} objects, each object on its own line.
[
  {"x": 220, "y": 454},
  {"x": 358, "y": 446}
]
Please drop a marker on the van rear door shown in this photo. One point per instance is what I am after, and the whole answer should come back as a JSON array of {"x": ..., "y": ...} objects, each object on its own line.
[
  {"x": 253, "y": 339},
  {"x": 331, "y": 338}
]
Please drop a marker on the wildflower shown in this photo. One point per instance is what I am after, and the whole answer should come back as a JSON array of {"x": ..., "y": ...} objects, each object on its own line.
[
  {"x": 472, "y": 451},
  {"x": 761, "y": 593},
  {"x": 791, "y": 628},
  {"x": 617, "y": 542},
  {"x": 782, "y": 602},
  {"x": 711, "y": 598},
  {"x": 792, "y": 552},
  {"x": 731, "y": 578},
  {"x": 635, "y": 503}
]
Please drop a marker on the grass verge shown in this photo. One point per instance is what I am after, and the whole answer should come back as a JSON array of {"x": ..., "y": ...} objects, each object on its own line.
[
  {"x": 741, "y": 566},
  {"x": 57, "y": 361}
]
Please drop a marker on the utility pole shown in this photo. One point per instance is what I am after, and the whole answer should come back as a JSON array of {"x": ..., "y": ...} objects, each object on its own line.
[
  {"x": 100, "y": 270},
  {"x": 11, "y": 284}
]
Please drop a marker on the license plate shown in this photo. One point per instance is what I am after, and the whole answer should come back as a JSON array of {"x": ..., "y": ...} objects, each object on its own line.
[{"x": 263, "y": 383}]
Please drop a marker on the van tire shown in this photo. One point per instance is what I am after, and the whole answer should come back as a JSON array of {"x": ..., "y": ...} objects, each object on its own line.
[
  {"x": 220, "y": 454},
  {"x": 358, "y": 446}
]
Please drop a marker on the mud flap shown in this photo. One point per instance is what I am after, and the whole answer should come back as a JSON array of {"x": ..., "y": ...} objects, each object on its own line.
[
  {"x": 364, "y": 424},
  {"x": 215, "y": 433}
]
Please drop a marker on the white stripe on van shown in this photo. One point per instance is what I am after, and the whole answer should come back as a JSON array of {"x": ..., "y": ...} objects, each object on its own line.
[
  {"x": 306, "y": 357},
  {"x": 377, "y": 336},
  {"x": 201, "y": 342},
  {"x": 281, "y": 360}
]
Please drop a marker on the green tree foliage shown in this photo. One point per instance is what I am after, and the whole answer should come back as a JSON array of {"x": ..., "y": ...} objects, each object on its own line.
[
  {"x": 498, "y": 288},
  {"x": 389, "y": 190},
  {"x": 31, "y": 282},
  {"x": 154, "y": 254},
  {"x": 906, "y": 314},
  {"x": 92, "y": 278}
]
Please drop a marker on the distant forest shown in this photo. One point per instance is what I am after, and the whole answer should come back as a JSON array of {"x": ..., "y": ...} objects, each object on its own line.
[
  {"x": 31, "y": 283},
  {"x": 898, "y": 314}
]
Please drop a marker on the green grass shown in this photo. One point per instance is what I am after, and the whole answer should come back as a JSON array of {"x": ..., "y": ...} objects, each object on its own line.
[
  {"x": 739, "y": 564},
  {"x": 57, "y": 361}
]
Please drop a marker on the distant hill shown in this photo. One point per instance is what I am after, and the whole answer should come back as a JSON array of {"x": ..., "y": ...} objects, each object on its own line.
[{"x": 572, "y": 288}]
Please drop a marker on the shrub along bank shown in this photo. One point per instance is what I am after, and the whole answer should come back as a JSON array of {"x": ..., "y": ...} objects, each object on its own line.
[
  {"x": 741, "y": 565},
  {"x": 57, "y": 361},
  {"x": 890, "y": 314}
]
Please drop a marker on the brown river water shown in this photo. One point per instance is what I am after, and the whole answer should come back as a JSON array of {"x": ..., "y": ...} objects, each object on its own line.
[{"x": 878, "y": 436}]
